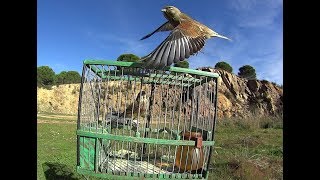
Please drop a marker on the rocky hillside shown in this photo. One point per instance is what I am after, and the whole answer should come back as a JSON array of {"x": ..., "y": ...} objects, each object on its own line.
[
  {"x": 244, "y": 98},
  {"x": 237, "y": 97}
]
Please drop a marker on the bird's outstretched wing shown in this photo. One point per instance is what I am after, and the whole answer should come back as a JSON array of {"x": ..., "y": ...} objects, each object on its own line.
[
  {"x": 164, "y": 27},
  {"x": 182, "y": 42}
]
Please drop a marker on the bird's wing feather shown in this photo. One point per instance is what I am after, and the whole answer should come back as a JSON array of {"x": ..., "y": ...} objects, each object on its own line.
[
  {"x": 178, "y": 46},
  {"x": 164, "y": 27}
]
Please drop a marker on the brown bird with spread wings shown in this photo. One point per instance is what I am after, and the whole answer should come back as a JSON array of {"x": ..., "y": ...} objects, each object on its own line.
[{"x": 187, "y": 37}]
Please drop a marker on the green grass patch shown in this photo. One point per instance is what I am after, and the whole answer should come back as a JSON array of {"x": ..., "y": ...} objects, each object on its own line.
[
  {"x": 247, "y": 150},
  {"x": 56, "y": 149},
  {"x": 243, "y": 150}
]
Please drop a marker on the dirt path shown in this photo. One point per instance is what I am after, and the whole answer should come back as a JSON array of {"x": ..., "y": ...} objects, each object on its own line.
[
  {"x": 55, "y": 119},
  {"x": 40, "y": 121},
  {"x": 58, "y": 116}
]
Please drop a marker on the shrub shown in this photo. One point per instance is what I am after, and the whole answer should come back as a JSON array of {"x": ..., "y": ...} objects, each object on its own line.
[
  {"x": 128, "y": 58},
  {"x": 182, "y": 64},
  {"x": 224, "y": 66},
  {"x": 247, "y": 72}
]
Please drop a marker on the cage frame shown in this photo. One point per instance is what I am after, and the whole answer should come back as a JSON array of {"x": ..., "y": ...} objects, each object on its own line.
[{"x": 83, "y": 133}]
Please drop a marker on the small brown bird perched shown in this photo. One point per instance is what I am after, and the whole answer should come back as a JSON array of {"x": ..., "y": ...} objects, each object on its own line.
[
  {"x": 140, "y": 105},
  {"x": 130, "y": 115},
  {"x": 187, "y": 37}
]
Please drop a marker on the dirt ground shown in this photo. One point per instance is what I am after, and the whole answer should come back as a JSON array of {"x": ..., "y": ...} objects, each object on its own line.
[
  {"x": 56, "y": 119},
  {"x": 55, "y": 122}
]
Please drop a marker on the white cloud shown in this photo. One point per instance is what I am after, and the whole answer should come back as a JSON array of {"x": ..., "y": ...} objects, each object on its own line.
[
  {"x": 257, "y": 38},
  {"x": 256, "y": 13}
]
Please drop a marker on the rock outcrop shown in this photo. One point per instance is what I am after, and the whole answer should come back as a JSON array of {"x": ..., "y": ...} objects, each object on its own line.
[
  {"x": 62, "y": 99},
  {"x": 239, "y": 97}
]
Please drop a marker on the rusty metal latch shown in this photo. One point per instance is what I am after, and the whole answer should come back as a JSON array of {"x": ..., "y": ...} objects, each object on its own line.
[{"x": 198, "y": 142}]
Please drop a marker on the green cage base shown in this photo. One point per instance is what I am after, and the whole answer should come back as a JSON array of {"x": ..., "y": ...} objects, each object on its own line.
[{"x": 139, "y": 176}]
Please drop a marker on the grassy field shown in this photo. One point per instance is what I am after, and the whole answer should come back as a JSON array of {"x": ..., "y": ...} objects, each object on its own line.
[{"x": 245, "y": 149}]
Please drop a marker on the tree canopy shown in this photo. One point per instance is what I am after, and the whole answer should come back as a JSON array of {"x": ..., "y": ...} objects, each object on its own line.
[
  {"x": 68, "y": 77},
  {"x": 45, "y": 76},
  {"x": 182, "y": 64},
  {"x": 224, "y": 66},
  {"x": 247, "y": 72},
  {"x": 128, "y": 58}
]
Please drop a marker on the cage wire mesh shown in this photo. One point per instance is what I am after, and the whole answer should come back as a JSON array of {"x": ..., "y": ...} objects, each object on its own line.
[{"x": 145, "y": 122}]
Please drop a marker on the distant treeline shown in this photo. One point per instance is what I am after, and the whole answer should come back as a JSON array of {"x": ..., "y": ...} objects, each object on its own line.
[{"x": 46, "y": 77}]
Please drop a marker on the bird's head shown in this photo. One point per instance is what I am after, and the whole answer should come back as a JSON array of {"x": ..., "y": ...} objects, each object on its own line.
[
  {"x": 171, "y": 13},
  {"x": 143, "y": 96}
]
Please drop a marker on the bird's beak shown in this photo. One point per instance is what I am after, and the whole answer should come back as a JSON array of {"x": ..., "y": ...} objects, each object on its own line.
[{"x": 163, "y": 10}]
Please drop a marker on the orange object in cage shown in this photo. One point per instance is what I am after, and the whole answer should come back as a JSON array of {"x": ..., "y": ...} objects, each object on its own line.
[{"x": 190, "y": 157}]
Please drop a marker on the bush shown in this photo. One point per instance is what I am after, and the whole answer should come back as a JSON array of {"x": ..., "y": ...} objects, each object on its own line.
[
  {"x": 247, "y": 72},
  {"x": 128, "y": 58},
  {"x": 182, "y": 64},
  {"x": 224, "y": 66},
  {"x": 277, "y": 85}
]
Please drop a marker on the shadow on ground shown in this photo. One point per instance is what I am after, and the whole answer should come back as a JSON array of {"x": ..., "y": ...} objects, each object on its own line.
[{"x": 57, "y": 171}]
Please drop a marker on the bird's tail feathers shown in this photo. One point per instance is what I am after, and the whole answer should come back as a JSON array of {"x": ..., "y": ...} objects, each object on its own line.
[
  {"x": 223, "y": 37},
  {"x": 144, "y": 58},
  {"x": 145, "y": 61}
]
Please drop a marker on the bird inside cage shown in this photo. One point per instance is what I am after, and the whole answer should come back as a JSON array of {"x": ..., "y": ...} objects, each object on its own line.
[
  {"x": 118, "y": 122},
  {"x": 190, "y": 158},
  {"x": 138, "y": 107},
  {"x": 130, "y": 116}
]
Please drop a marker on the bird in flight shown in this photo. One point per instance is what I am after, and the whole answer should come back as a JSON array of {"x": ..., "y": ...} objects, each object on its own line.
[{"x": 187, "y": 38}]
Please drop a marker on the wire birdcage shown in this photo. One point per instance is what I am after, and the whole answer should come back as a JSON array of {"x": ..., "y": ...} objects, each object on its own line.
[{"x": 145, "y": 123}]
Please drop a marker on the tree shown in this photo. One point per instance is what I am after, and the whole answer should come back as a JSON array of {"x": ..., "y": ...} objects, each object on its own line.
[
  {"x": 68, "y": 77},
  {"x": 60, "y": 78},
  {"x": 182, "y": 64},
  {"x": 224, "y": 66},
  {"x": 73, "y": 77},
  {"x": 45, "y": 76},
  {"x": 128, "y": 58},
  {"x": 247, "y": 72}
]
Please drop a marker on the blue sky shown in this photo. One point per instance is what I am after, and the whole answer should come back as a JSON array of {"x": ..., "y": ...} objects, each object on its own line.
[{"x": 70, "y": 31}]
